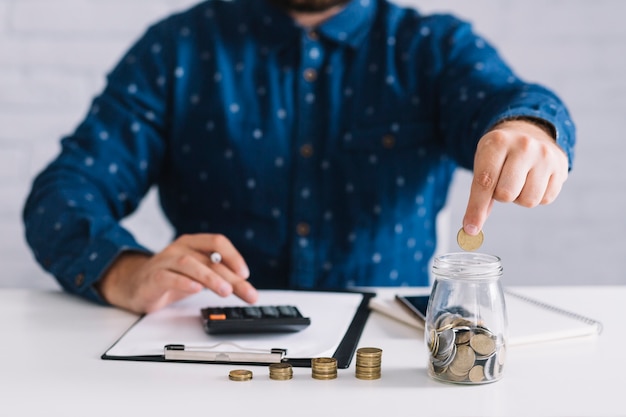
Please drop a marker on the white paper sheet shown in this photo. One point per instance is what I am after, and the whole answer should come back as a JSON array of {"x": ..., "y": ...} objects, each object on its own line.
[{"x": 180, "y": 323}]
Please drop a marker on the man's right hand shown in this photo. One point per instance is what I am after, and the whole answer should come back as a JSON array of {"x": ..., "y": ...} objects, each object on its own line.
[{"x": 145, "y": 283}]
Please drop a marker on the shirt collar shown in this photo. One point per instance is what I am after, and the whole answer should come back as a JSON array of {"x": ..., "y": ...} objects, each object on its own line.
[{"x": 350, "y": 26}]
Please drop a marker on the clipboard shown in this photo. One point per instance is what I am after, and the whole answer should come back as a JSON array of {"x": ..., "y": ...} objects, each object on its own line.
[{"x": 175, "y": 333}]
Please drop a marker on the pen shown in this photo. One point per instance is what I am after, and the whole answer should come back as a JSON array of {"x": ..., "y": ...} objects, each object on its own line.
[{"x": 208, "y": 354}]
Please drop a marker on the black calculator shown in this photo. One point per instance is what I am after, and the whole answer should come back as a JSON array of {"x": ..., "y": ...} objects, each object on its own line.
[{"x": 253, "y": 319}]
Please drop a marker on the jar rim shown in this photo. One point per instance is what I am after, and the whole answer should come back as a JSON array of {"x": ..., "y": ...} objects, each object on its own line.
[{"x": 468, "y": 265}]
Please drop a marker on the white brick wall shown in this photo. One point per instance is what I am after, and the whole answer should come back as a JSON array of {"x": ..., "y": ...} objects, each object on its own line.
[
  {"x": 54, "y": 55},
  {"x": 53, "y": 58}
]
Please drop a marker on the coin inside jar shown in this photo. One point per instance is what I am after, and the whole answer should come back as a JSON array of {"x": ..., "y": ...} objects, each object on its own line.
[{"x": 468, "y": 242}]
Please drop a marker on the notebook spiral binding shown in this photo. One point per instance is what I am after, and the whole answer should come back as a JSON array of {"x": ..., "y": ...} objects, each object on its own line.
[{"x": 551, "y": 307}]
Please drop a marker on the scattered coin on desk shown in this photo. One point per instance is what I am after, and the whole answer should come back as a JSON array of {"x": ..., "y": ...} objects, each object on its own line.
[
  {"x": 240, "y": 375},
  {"x": 368, "y": 363},
  {"x": 463, "y": 351},
  {"x": 324, "y": 368},
  {"x": 281, "y": 371},
  {"x": 468, "y": 242}
]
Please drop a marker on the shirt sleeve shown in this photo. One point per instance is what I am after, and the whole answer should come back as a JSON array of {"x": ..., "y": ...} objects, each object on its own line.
[
  {"x": 477, "y": 89},
  {"x": 72, "y": 214}
]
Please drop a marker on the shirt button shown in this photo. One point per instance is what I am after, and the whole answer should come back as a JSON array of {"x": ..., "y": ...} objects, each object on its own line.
[
  {"x": 303, "y": 229},
  {"x": 388, "y": 141},
  {"x": 310, "y": 74},
  {"x": 313, "y": 35},
  {"x": 79, "y": 279},
  {"x": 306, "y": 150}
]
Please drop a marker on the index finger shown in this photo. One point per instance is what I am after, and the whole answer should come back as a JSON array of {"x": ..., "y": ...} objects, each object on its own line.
[{"x": 481, "y": 199}]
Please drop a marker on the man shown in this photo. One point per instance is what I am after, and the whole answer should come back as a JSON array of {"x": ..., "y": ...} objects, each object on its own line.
[{"x": 306, "y": 143}]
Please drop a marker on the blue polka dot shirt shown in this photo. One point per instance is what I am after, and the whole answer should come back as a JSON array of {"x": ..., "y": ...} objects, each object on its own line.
[{"x": 324, "y": 154}]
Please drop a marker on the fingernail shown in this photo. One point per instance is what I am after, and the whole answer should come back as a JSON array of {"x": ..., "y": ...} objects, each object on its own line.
[
  {"x": 244, "y": 272},
  {"x": 470, "y": 229},
  {"x": 252, "y": 295}
]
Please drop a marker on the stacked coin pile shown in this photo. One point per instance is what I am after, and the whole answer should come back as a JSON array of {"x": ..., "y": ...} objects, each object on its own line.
[
  {"x": 240, "y": 375},
  {"x": 462, "y": 351},
  {"x": 281, "y": 371},
  {"x": 324, "y": 368},
  {"x": 368, "y": 363}
]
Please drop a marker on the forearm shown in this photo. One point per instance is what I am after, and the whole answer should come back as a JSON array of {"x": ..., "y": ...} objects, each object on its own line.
[
  {"x": 477, "y": 90},
  {"x": 74, "y": 236}
]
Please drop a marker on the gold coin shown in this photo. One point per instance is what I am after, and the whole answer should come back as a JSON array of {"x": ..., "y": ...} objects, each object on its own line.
[
  {"x": 462, "y": 335},
  {"x": 281, "y": 371},
  {"x": 282, "y": 366},
  {"x": 368, "y": 363},
  {"x": 324, "y": 368},
  {"x": 324, "y": 375},
  {"x": 324, "y": 361},
  {"x": 369, "y": 352},
  {"x": 469, "y": 243},
  {"x": 240, "y": 375},
  {"x": 433, "y": 342},
  {"x": 449, "y": 375},
  {"x": 476, "y": 374},
  {"x": 483, "y": 345},
  {"x": 463, "y": 361},
  {"x": 368, "y": 377}
]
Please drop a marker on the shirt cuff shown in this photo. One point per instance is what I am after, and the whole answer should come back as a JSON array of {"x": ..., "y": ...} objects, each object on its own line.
[
  {"x": 562, "y": 129},
  {"x": 97, "y": 257}
]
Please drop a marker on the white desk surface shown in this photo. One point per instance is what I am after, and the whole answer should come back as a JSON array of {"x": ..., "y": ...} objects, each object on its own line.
[{"x": 50, "y": 366}]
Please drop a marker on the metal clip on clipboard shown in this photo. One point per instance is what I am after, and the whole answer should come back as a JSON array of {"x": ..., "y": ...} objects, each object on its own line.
[{"x": 177, "y": 352}]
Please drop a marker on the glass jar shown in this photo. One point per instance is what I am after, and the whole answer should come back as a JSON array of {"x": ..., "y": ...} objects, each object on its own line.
[{"x": 466, "y": 322}]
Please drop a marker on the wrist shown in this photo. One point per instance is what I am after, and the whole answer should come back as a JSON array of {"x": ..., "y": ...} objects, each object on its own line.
[
  {"x": 110, "y": 285},
  {"x": 529, "y": 124}
]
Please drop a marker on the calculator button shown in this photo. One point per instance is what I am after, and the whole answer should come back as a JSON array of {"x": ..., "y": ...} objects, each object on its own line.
[
  {"x": 233, "y": 312},
  {"x": 252, "y": 312},
  {"x": 269, "y": 311},
  {"x": 288, "y": 311}
]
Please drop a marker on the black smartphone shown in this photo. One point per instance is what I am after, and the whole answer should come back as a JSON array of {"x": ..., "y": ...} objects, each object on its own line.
[{"x": 416, "y": 304}]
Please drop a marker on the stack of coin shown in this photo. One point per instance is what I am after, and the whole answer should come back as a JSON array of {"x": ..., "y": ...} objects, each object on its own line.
[
  {"x": 240, "y": 375},
  {"x": 324, "y": 368},
  {"x": 281, "y": 371},
  {"x": 368, "y": 363},
  {"x": 463, "y": 351}
]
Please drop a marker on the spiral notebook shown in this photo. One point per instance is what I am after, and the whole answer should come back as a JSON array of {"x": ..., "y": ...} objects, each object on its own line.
[{"x": 530, "y": 320}]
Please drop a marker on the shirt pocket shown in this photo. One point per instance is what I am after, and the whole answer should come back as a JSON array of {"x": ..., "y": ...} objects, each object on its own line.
[{"x": 388, "y": 164}]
